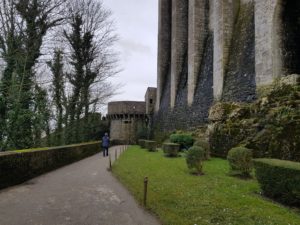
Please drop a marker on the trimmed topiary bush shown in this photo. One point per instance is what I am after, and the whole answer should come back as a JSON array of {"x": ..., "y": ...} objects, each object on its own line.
[
  {"x": 141, "y": 143},
  {"x": 279, "y": 180},
  {"x": 205, "y": 145},
  {"x": 194, "y": 159},
  {"x": 240, "y": 161},
  {"x": 171, "y": 149},
  {"x": 150, "y": 145},
  {"x": 184, "y": 140}
]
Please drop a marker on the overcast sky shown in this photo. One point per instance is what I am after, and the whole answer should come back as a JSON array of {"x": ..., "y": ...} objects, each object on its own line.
[{"x": 136, "y": 25}]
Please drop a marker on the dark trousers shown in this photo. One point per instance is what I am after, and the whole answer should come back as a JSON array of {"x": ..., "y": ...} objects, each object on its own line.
[{"x": 105, "y": 151}]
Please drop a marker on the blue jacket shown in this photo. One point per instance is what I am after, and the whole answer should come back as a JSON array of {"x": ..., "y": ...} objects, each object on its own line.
[{"x": 105, "y": 141}]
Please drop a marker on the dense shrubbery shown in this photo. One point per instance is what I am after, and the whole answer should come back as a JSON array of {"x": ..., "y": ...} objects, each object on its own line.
[
  {"x": 279, "y": 179},
  {"x": 270, "y": 126},
  {"x": 150, "y": 145},
  {"x": 171, "y": 149},
  {"x": 184, "y": 140},
  {"x": 142, "y": 143},
  {"x": 194, "y": 159},
  {"x": 205, "y": 145},
  {"x": 142, "y": 133},
  {"x": 17, "y": 167},
  {"x": 240, "y": 161}
]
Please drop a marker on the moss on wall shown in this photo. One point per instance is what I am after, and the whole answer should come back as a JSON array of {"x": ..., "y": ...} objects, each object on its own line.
[
  {"x": 17, "y": 167},
  {"x": 270, "y": 126}
]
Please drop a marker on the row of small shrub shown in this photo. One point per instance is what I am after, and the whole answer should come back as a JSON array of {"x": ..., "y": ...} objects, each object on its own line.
[
  {"x": 240, "y": 161},
  {"x": 148, "y": 144},
  {"x": 196, "y": 155},
  {"x": 17, "y": 167},
  {"x": 183, "y": 139},
  {"x": 278, "y": 179},
  {"x": 171, "y": 149}
]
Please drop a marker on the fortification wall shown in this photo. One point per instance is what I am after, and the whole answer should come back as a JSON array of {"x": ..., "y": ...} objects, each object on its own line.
[
  {"x": 126, "y": 129},
  {"x": 192, "y": 110},
  {"x": 126, "y": 107},
  {"x": 127, "y": 118},
  {"x": 221, "y": 50}
]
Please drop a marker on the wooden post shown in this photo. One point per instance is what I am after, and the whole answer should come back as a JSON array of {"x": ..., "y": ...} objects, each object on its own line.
[
  {"x": 145, "y": 190},
  {"x": 109, "y": 161},
  {"x": 116, "y": 154}
]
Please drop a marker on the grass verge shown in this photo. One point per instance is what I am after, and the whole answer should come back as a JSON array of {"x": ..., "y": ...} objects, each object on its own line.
[{"x": 179, "y": 198}]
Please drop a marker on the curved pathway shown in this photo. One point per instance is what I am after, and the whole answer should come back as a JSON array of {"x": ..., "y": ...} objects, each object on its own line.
[{"x": 83, "y": 193}]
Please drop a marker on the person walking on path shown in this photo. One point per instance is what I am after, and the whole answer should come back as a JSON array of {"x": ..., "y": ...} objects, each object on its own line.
[{"x": 105, "y": 144}]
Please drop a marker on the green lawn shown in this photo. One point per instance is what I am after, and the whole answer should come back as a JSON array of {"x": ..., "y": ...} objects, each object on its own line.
[{"x": 179, "y": 198}]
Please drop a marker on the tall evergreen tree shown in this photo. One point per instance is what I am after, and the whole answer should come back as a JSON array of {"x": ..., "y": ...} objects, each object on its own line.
[
  {"x": 59, "y": 97},
  {"x": 24, "y": 26}
]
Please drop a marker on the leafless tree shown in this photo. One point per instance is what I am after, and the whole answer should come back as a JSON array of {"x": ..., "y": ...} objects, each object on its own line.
[{"x": 90, "y": 37}]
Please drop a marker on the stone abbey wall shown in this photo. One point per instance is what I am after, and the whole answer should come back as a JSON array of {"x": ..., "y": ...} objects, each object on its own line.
[{"x": 220, "y": 50}]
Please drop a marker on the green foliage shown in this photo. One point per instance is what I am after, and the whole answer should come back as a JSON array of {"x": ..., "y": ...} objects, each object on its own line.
[
  {"x": 205, "y": 145},
  {"x": 194, "y": 159},
  {"x": 171, "y": 149},
  {"x": 92, "y": 128},
  {"x": 240, "y": 161},
  {"x": 19, "y": 166},
  {"x": 41, "y": 121},
  {"x": 59, "y": 96},
  {"x": 142, "y": 143},
  {"x": 184, "y": 140},
  {"x": 150, "y": 145},
  {"x": 279, "y": 179},
  {"x": 160, "y": 136},
  {"x": 142, "y": 133},
  {"x": 24, "y": 104},
  {"x": 269, "y": 126},
  {"x": 178, "y": 198}
]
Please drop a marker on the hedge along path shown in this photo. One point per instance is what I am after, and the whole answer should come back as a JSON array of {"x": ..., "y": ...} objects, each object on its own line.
[
  {"x": 81, "y": 193},
  {"x": 19, "y": 166}
]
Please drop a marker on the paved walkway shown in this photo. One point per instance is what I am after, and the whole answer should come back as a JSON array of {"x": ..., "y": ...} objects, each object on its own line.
[{"x": 83, "y": 193}]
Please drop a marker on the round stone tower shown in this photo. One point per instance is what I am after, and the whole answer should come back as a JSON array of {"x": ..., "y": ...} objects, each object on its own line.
[{"x": 127, "y": 118}]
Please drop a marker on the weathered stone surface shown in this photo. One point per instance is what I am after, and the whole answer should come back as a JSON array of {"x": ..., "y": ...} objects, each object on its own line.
[
  {"x": 223, "y": 50},
  {"x": 269, "y": 126},
  {"x": 150, "y": 99},
  {"x": 126, "y": 120},
  {"x": 179, "y": 44},
  {"x": 239, "y": 79},
  {"x": 198, "y": 30},
  {"x": 221, "y": 111},
  {"x": 164, "y": 46}
]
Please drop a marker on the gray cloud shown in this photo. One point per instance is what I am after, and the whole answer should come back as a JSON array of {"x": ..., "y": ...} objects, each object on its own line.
[
  {"x": 136, "y": 24},
  {"x": 134, "y": 47}
]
